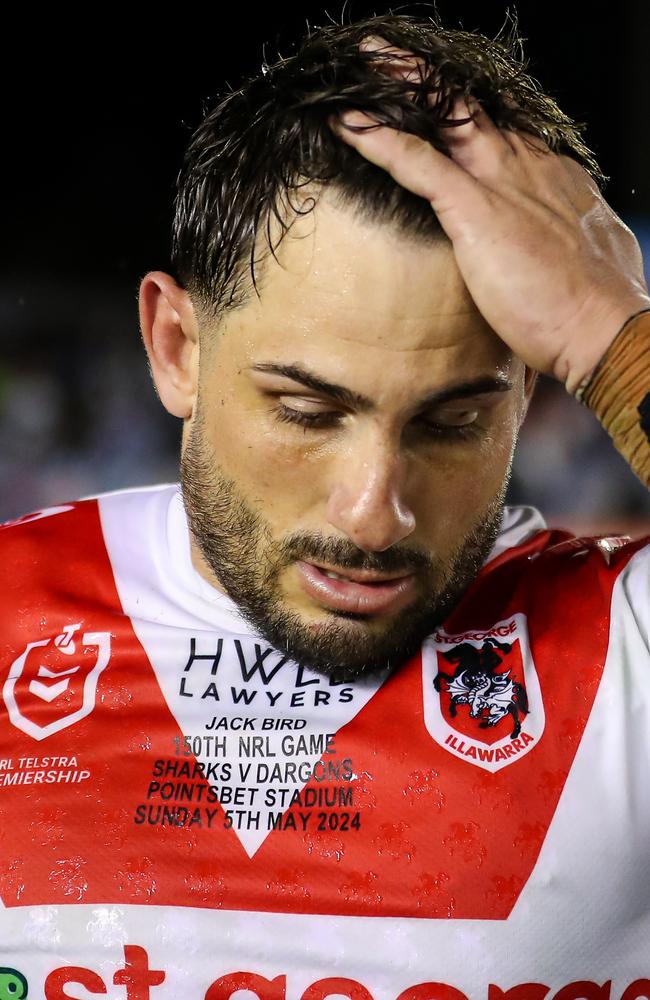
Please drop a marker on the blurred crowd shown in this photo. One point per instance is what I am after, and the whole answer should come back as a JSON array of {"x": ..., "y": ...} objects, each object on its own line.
[{"x": 79, "y": 415}]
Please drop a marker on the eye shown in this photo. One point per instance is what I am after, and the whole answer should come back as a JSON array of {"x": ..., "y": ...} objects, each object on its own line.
[
  {"x": 454, "y": 418},
  {"x": 450, "y": 424},
  {"x": 305, "y": 412}
]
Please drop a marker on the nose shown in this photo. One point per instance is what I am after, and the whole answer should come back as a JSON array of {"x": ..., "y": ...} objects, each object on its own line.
[{"x": 367, "y": 501}]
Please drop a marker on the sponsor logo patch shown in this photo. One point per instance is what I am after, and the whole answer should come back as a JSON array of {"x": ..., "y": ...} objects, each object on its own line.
[
  {"x": 53, "y": 683},
  {"x": 482, "y": 697}
]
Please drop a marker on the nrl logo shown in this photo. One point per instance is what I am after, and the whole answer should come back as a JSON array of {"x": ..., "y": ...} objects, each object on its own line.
[
  {"x": 482, "y": 698},
  {"x": 53, "y": 683}
]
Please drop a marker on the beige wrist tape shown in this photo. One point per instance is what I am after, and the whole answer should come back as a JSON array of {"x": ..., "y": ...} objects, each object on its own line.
[{"x": 618, "y": 392}]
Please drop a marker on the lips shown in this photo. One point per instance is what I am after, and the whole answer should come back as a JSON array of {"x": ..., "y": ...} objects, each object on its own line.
[{"x": 356, "y": 591}]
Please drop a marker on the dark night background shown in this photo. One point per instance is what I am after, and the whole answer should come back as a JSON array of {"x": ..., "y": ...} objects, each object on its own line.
[{"x": 96, "y": 116}]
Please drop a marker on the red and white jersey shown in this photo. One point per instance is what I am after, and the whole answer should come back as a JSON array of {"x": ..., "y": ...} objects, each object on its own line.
[{"x": 186, "y": 814}]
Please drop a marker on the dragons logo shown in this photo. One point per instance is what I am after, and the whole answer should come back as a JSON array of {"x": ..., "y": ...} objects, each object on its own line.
[
  {"x": 482, "y": 697},
  {"x": 490, "y": 695}
]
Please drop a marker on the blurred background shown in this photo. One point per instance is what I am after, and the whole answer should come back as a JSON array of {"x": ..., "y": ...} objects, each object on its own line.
[{"x": 95, "y": 119}]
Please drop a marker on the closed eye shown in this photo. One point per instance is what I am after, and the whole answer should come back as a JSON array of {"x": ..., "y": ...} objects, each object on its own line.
[
  {"x": 452, "y": 418},
  {"x": 456, "y": 426},
  {"x": 302, "y": 417}
]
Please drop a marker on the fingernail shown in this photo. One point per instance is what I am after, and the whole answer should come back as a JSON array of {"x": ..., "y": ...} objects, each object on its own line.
[
  {"x": 353, "y": 119},
  {"x": 373, "y": 42}
]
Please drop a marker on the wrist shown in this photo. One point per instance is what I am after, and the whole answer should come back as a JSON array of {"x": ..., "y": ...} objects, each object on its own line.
[
  {"x": 607, "y": 328},
  {"x": 581, "y": 380},
  {"x": 618, "y": 393}
]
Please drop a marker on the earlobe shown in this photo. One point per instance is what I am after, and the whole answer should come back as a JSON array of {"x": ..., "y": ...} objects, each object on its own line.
[{"x": 171, "y": 338}]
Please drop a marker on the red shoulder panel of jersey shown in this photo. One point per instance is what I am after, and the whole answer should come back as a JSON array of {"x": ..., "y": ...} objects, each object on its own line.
[
  {"x": 82, "y": 710},
  {"x": 438, "y": 800}
]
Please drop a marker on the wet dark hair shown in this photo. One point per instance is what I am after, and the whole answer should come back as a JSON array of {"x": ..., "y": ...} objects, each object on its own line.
[{"x": 263, "y": 142}]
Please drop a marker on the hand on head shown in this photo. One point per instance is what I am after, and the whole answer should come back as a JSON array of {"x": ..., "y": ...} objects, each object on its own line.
[{"x": 551, "y": 267}]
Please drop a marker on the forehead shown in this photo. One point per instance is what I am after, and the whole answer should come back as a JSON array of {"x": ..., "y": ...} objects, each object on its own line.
[{"x": 355, "y": 300}]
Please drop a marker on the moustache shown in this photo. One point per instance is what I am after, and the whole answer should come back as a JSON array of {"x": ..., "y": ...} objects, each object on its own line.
[{"x": 338, "y": 552}]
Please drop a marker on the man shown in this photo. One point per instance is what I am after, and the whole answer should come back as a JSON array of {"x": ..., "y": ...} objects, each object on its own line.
[{"x": 329, "y": 720}]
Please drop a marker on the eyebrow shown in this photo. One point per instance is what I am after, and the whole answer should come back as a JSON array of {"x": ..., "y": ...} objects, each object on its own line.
[{"x": 355, "y": 400}]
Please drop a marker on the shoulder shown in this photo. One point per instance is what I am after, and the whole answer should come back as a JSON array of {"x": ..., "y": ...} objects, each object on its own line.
[
  {"x": 57, "y": 566},
  {"x": 131, "y": 498},
  {"x": 569, "y": 573},
  {"x": 566, "y": 591},
  {"x": 525, "y": 538},
  {"x": 71, "y": 533}
]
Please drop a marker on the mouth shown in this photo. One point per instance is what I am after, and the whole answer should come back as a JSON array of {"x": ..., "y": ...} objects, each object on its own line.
[{"x": 357, "y": 591}]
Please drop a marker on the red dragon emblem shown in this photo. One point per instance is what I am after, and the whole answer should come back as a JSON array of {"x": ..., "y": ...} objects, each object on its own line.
[
  {"x": 482, "y": 697},
  {"x": 483, "y": 680}
]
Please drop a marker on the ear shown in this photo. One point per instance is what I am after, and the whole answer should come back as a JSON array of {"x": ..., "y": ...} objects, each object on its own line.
[{"x": 171, "y": 338}]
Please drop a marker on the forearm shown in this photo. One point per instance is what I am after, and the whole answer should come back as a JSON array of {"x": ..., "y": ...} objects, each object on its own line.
[{"x": 618, "y": 392}]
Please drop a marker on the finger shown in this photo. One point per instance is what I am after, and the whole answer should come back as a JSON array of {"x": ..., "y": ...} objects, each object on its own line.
[
  {"x": 582, "y": 181},
  {"x": 399, "y": 64},
  {"x": 455, "y": 196},
  {"x": 566, "y": 176},
  {"x": 394, "y": 61},
  {"x": 476, "y": 143}
]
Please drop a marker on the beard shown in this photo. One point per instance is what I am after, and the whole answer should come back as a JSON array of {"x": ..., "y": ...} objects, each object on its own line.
[{"x": 237, "y": 545}]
